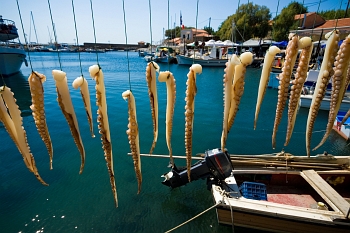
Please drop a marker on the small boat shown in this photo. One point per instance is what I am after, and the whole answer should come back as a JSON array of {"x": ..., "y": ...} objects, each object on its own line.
[
  {"x": 164, "y": 54},
  {"x": 282, "y": 200},
  {"x": 214, "y": 58},
  {"x": 342, "y": 129},
  {"x": 12, "y": 54},
  {"x": 305, "y": 102}
]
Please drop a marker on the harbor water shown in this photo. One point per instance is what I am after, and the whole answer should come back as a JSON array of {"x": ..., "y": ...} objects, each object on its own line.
[{"x": 84, "y": 203}]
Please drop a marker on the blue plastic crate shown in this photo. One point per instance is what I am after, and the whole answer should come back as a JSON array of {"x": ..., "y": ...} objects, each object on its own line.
[{"x": 252, "y": 190}]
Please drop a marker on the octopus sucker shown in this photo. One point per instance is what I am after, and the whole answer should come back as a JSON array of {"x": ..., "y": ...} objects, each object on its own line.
[
  {"x": 306, "y": 45},
  {"x": 339, "y": 83},
  {"x": 291, "y": 55},
  {"x": 103, "y": 125},
  {"x": 228, "y": 78},
  {"x": 169, "y": 79},
  {"x": 35, "y": 81},
  {"x": 65, "y": 102},
  {"x": 151, "y": 69},
  {"x": 10, "y": 116},
  {"x": 238, "y": 86},
  {"x": 191, "y": 92},
  {"x": 85, "y": 94},
  {"x": 133, "y": 136},
  {"x": 325, "y": 73},
  {"x": 264, "y": 79}
]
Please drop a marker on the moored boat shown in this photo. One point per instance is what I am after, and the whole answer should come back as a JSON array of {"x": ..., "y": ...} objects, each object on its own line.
[
  {"x": 12, "y": 54},
  {"x": 343, "y": 129},
  {"x": 305, "y": 102}
]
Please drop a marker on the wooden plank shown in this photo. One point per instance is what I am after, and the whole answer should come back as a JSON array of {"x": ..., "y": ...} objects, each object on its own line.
[{"x": 331, "y": 196}]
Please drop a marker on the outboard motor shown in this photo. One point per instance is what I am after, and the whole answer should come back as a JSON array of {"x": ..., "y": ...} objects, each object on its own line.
[{"x": 216, "y": 166}]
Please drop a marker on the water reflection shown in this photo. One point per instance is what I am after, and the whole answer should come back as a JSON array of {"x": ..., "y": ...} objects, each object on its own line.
[{"x": 20, "y": 87}]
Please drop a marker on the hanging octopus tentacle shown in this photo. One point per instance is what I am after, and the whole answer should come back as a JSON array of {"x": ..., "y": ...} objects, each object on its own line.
[
  {"x": 103, "y": 125},
  {"x": 151, "y": 69},
  {"x": 35, "y": 81},
  {"x": 228, "y": 77},
  {"x": 65, "y": 102},
  {"x": 264, "y": 79},
  {"x": 238, "y": 86},
  {"x": 10, "y": 116},
  {"x": 133, "y": 136},
  {"x": 339, "y": 83},
  {"x": 347, "y": 115},
  {"x": 325, "y": 73},
  {"x": 306, "y": 45},
  {"x": 85, "y": 94},
  {"x": 291, "y": 55},
  {"x": 189, "y": 113},
  {"x": 169, "y": 79}
]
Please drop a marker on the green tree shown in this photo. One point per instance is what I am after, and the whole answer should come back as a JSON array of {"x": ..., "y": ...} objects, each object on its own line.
[
  {"x": 332, "y": 14},
  {"x": 210, "y": 30},
  {"x": 285, "y": 22},
  {"x": 250, "y": 21}
]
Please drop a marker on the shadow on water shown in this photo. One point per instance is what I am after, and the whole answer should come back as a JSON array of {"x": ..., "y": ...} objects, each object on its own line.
[{"x": 20, "y": 87}]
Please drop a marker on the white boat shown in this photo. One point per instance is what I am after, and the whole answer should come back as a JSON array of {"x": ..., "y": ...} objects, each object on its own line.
[
  {"x": 214, "y": 58},
  {"x": 305, "y": 102},
  {"x": 12, "y": 54},
  {"x": 342, "y": 129}
]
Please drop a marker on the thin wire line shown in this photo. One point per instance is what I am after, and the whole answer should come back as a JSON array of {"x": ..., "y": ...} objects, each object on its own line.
[
  {"x": 244, "y": 23},
  {"x": 126, "y": 42},
  {"x": 273, "y": 25},
  {"x": 25, "y": 39},
  {"x": 54, "y": 33},
  {"x": 313, "y": 26},
  {"x": 36, "y": 36},
  {"x": 150, "y": 24},
  {"x": 336, "y": 24},
  {"x": 170, "y": 36},
  {"x": 93, "y": 26},
  {"x": 194, "y": 50},
  {"x": 299, "y": 18},
  {"x": 76, "y": 35}
]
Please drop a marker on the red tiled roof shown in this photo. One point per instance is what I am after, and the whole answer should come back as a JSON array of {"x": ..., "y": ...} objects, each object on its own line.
[
  {"x": 333, "y": 22},
  {"x": 301, "y": 16}
]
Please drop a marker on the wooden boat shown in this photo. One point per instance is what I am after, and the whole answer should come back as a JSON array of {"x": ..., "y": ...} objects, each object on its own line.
[
  {"x": 263, "y": 194},
  {"x": 164, "y": 54},
  {"x": 342, "y": 129}
]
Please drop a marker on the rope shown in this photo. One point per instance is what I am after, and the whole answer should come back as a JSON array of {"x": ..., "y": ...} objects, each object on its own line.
[
  {"x": 76, "y": 35},
  {"x": 126, "y": 42},
  {"x": 25, "y": 39},
  {"x": 170, "y": 36},
  {"x": 193, "y": 218},
  {"x": 36, "y": 36},
  {"x": 93, "y": 26},
  {"x": 54, "y": 33}
]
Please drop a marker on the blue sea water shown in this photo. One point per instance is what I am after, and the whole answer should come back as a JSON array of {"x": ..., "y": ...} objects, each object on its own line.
[{"x": 84, "y": 203}]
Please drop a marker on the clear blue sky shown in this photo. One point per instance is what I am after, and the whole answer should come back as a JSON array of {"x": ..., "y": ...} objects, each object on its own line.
[{"x": 109, "y": 18}]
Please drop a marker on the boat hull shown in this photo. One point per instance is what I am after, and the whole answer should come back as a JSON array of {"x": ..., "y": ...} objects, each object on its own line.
[
  {"x": 183, "y": 60},
  {"x": 11, "y": 60},
  {"x": 305, "y": 102}
]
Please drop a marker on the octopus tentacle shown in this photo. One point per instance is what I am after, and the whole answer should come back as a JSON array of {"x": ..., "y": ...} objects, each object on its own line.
[
  {"x": 347, "y": 115},
  {"x": 151, "y": 69},
  {"x": 306, "y": 45},
  {"x": 84, "y": 91},
  {"x": 228, "y": 77},
  {"x": 238, "y": 85},
  {"x": 338, "y": 85},
  {"x": 37, "y": 92},
  {"x": 291, "y": 55},
  {"x": 264, "y": 79},
  {"x": 189, "y": 113},
  {"x": 325, "y": 73},
  {"x": 65, "y": 102},
  {"x": 103, "y": 125},
  {"x": 10, "y": 115},
  {"x": 133, "y": 136},
  {"x": 169, "y": 79}
]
